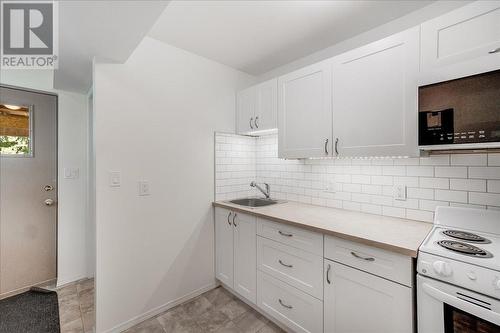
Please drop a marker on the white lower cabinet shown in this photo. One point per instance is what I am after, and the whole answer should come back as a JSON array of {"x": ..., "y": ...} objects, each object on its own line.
[
  {"x": 292, "y": 307},
  {"x": 235, "y": 252},
  {"x": 359, "y": 302}
]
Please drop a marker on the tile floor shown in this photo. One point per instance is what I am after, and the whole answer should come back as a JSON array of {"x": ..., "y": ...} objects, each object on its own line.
[
  {"x": 76, "y": 307},
  {"x": 214, "y": 311}
]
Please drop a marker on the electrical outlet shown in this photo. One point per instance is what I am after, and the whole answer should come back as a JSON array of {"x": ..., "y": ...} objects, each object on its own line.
[
  {"x": 399, "y": 192},
  {"x": 114, "y": 179},
  {"x": 144, "y": 189}
]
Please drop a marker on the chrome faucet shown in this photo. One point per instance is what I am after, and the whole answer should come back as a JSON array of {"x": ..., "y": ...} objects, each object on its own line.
[{"x": 266, "y": 192}]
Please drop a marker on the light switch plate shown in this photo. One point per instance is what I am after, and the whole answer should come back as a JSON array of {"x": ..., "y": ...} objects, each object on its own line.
[
  {"x": 115, "y": 179},
  {"x": 399, "y": 192},
  {"x": 144, "y": 188}
]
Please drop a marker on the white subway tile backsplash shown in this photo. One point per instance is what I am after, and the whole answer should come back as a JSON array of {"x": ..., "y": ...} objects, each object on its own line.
[
  {"x": 435, "y": 160},
  {"x": 431, "y": 205},
  {"x": 420, "y": 193},
  {"x": 357, "y": 184},
  {"x": 493, "y": 186},
  {"x": 420, "y": 215},
  {"x": 442, "y": 183},
  {"x": 451, "y": 172},
  {"x": 484, "y": 172},
  {"x": 447, "y": 195},
  {"x": 422, "y": 171},
  {"x": 490, "y": 199},
  {"x": 494, "y": 159},
  {"x": 393, "y": 170},
  {"x": 393, "y": 211},
  {"x": 469, "y": 159},
  {"x": 477, "y": 185}
]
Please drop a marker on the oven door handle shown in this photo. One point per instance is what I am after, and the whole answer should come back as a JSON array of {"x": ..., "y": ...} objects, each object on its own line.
[{"x": 471, "y": 308}]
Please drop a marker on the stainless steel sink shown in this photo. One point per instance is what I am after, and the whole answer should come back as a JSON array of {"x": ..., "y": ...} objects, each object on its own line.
[{"x": 254, "y": 202}]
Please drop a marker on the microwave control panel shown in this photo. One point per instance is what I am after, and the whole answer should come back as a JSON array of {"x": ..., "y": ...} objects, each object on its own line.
[{"x": 438, "y": 128}]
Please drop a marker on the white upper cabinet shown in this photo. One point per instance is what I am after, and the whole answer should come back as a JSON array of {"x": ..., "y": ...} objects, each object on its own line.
[
  {"x": 266, "y": 114},
  {"x": 305, "y": 112},
  {"x": 246, "y": 101},
  {"x": 468, "y": 38},
  {"x": 257, "y": 108},
  {"x": 375, "y": 98}
]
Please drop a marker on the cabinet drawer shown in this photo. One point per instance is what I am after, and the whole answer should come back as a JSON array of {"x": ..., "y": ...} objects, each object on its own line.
[
  {"x": 289, "y": 235},
  {"x": 294, "y": 308},
  {"x": 296, "y": 267},
  {"x": 389, "y": 265}
]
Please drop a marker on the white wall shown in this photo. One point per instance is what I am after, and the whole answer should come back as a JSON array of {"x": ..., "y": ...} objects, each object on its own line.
[
  {"x": 72, "y": 140},
  {"x": 405, "y": 22},
  {"x": 155, "y": 118}
]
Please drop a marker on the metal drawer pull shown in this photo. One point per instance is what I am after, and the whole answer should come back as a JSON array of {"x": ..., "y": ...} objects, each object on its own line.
[
  {"x": 328, "y": 274},
  {"x": 284, "y": 233},
  {"x": 251, "y": 126},
  {"x": 286, "y": 265},
  {"x": 285, "y": 305},
  {"x": 255, "y": 122},
  {"x": 234, "y": 223},
  {"x": 326, "y": 146},
  {"x": 360, "y": 257},
  {"x": 337, "y": 146},
  {"x": 495, "y": 50},
  {"x": 228, "y": 217}
]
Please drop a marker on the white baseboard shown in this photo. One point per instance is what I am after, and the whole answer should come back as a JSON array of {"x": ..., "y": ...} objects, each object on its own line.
[{"x": 162, "y": 308}]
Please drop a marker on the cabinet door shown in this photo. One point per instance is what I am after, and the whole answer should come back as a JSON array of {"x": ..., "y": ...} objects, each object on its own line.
[
  {"x": 467, "y": 33},
  {"x": 245, "y": 256},
  {"x": 375, "y": 97},
  {"x": 266, "y": 113},
  {"x": 305, "y": 112},
  {"x": 358, "y": 302},
  {"x": 245, "y": 115},
  {"x": 224, "y": 246}
]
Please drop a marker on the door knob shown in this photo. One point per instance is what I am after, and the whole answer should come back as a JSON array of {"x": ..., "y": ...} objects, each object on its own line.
[{"x": 48, "y": 202}]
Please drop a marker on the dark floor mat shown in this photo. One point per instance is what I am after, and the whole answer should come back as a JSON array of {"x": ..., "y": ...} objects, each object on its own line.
[{"x": 30, "y": 312}]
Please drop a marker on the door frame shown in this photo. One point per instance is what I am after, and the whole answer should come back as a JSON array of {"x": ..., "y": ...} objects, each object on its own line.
[{"x": 32, "y": 145}]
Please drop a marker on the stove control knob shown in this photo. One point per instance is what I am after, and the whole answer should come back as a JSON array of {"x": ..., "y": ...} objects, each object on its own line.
[
  {"x": 442, "y": 268},
  {"x": 496, "y": 284}
]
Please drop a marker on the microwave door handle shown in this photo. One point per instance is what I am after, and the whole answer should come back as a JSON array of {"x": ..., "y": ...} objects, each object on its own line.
[{"x": 462, "y": 305}]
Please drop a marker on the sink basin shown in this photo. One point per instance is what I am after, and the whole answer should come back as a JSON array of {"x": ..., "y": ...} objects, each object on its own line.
[{"x": 254, "y": 202}]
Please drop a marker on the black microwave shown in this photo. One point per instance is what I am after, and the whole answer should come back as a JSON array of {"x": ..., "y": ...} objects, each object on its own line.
[{"x": 460, "y": 114}]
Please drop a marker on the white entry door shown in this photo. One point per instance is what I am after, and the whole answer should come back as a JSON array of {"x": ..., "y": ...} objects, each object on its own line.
[{"x": 28, "y": 178}]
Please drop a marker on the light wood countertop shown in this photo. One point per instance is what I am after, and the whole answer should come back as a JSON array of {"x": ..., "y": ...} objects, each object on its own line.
[{"x": 388, "y": 233}]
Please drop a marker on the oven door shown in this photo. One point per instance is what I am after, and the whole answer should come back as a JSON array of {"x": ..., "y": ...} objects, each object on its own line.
[{"x": 444, "y": 308}]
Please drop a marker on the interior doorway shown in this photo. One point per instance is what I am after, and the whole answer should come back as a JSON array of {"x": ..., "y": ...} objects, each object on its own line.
[{"x": 28, "y": 190}]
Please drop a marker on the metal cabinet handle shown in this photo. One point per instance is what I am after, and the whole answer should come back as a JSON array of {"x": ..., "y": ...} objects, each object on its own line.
[
  {"x": 251, "y": 126},
  {"x": 328, "y": 274},
  {"x": 228, "y": 217},
  {"x": 255, "y": 122},
  {"x": 354, "y": 254},
  {"x": 284, "y": 233},
  {"x": 48, "y": 188},
  {"x": 285, "y": 305},
  {"x": 336, "y": 146},
  {"x": 234, "y": 223},
  {"x": 495, "y": 50},
  {"x": 286, "y": 265},
  {"x": 48, "y": 202},
  {"x": 326, "y": 146}
]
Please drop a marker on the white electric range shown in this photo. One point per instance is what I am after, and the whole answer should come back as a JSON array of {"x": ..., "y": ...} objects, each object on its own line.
[{"x": 458, "y": 265}]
